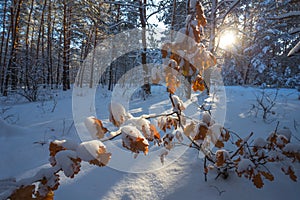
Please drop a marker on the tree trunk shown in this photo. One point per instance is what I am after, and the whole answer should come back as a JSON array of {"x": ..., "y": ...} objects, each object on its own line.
[
  {"x": 213, "y": 15},
  {"x": 40, "y": 32},
  {"x": 2, "y": 72},
  {"x": 93, "y": 57},
  {"x": 12, "y": 71},
  {"x": 58, "y": 63},
  {"x": 173, "y": 20},
  {"x": 27, "y": 47},
  {"x": 49, "y": 48},
  {"x": 66, "y": 48},
  {"x": 142, "y": 9}
]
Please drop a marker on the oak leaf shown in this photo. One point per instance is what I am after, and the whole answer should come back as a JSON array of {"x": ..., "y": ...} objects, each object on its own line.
[
  {"x": 221, "y": 157},
  {"x": 100, "y": 129},
  {"x": 202, "y": 132},
  {"x": 189, "y": 129},
  {"x": 267, "y": 175},
  {"x": 239, "y": 142},
  {"x": 219, "y": 144},
  {"x": 198, "y": 84},
  {"x": 289, "y": 171},
  {"x": 24, "y": 193},
  {"x": 257, "y": 180},
  {"x": 154, "y": 132},
  {"x": 54, "y": 148},
  {"x": 134, "y": 140}
]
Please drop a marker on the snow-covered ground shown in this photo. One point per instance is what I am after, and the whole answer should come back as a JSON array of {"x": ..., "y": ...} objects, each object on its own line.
[{"x": 24, "y": 149}]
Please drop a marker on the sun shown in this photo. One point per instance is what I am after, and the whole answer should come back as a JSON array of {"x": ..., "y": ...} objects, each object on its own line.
[{"x": 227, "y": 39}]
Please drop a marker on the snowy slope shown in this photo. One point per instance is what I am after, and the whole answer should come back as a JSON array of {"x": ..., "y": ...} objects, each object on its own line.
[{"x": 22, "y": 153}]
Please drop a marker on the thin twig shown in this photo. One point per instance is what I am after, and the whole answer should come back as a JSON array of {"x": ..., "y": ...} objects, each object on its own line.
[
  {"x": 160, "y": 115},
  {"x": 220, "y": 191},
  {"x": 205, "y": 169},
  {"x": 245, "y": 141},
  {"x": 117, "y": 133}
]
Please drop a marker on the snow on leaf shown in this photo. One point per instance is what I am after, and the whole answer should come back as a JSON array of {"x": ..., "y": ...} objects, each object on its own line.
[
  {"x": 221, "y": 157},
  {"x": 69, "y": 162},
  {"x": 275, "y": 155},
  {"x": 189, "y": 129},
  {"x": 178, "y": 104},
  {"x": 54, "y": 148},
  {"x": 46, "y": 187},
  {"x": 59, "y": 145},
  {"x": 215, "y": 132},
  {"x": 292, "y": 148},
  {"x": 117, "y": 114},
  {"x": 167, "y": 122},
  {"x": 142, "y": 125},
  {"x": 95, "y": 127},
  {"x": 134, "y": 140},
  {"x": 286, "y": 132},
  {"x": 102, "y": 158},
  {"x": 281, "y": 141},
  {"x": 260, "y": 142},
  {"x": 245, "y": 165},
  {"x": 94, "y": 152}
]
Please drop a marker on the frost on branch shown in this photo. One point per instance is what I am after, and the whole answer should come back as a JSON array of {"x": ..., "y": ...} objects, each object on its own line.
[{"x": 134, "y": 140}]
